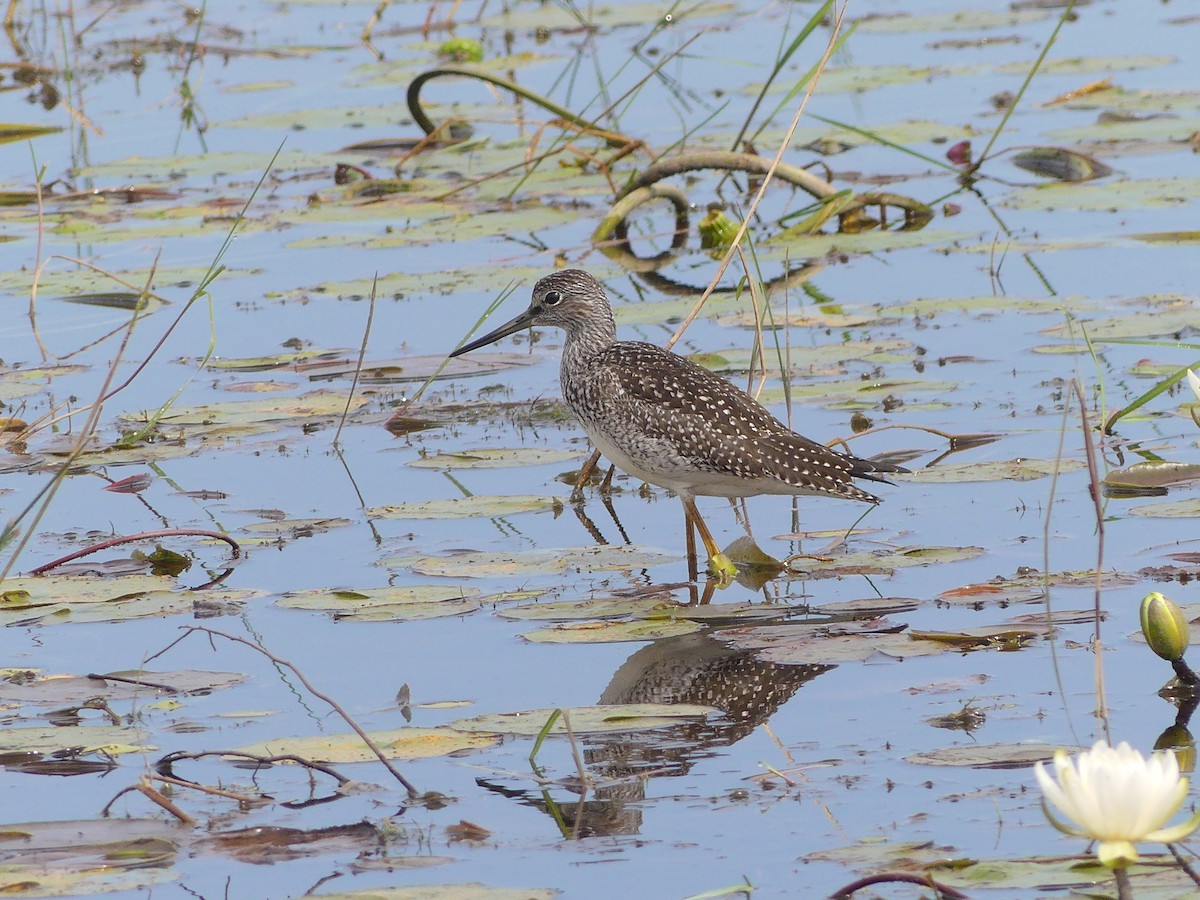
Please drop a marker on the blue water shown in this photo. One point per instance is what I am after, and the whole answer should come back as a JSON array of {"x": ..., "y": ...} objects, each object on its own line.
[{"x": 849, "y": 730}]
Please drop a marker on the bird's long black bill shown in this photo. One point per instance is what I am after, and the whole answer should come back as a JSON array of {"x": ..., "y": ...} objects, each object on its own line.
[{"x": 520, "y": 323}]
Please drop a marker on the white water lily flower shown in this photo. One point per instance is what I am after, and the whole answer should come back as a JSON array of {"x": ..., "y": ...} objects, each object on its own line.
[
  {"x": 1116, "y": 797},
  {"x": 1194, "y": 381}
]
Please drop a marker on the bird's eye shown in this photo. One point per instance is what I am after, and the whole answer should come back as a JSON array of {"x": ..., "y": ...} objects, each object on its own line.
[{"x": 553, "y": 298}]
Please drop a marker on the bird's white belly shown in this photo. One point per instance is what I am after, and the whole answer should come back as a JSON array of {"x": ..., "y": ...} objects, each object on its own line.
[
  {"x": 649, "y": 459},
  {"x": 658, "y": 462}
]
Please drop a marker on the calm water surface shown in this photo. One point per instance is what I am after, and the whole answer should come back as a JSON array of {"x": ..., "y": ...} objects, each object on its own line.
[{"x": 974, "y": 302}]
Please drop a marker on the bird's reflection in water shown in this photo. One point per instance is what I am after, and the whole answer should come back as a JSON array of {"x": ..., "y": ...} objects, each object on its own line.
[{"x": 694, "y": 669}]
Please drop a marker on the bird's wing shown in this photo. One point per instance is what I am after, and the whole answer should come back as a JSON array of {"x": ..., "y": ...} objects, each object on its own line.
[
  {"x": 667, "y": 387},
  {"x": 708, "y": 420}
]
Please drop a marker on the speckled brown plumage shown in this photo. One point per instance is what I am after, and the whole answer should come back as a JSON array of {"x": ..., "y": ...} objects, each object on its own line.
[{"x": 668, "y": 421}]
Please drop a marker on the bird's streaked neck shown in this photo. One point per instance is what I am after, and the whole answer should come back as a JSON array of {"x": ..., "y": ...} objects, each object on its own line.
[{"x": 590, "y": 336}]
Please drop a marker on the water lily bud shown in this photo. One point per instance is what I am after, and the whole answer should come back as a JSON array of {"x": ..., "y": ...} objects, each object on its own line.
[
  {"x": 1164, "y": 626},
  {"x": 462, "y": 50},
  {"x": 1179, "y": 741},
  {"x": 717, "y": 230}
]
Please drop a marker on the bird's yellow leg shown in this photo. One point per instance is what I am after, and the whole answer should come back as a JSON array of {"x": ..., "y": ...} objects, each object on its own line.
[
  {"x": 719, "y": 565},
  {"x": 690, "y": 529}
]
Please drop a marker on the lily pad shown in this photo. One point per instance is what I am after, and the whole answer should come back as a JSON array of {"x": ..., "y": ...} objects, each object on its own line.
[
  {"x": 1167, "y": 317},
  {"x": 347, "y": 600},
  {"x": 211, "y": 416},
  {"x": 802, "y": 644},
  {"x": 610, "y": 632},
  {"x": 610, "y": 14},
  {"x": 398, "y": 743},
  {"x": 388, "y": 604},
  {"x": 468, "y": 507},
  {"x": 138, "y": 605},
  {"x": 1120, "y": 195},
  {"x": 880, "y": 561},
  {"x": 1001, "y": 637},
  {"x": 416, "y": 368},
  {"x": 465, "y": 891},
  {"x": 1178, "y": 509},
  {"x": 496, "y": 458},
  {"x": 986, "y": 756},
  {"x": 1157, "y": 473},
  {"x": 266, "y": 363},
  {"x": 87, "y": 857},
  {"x": 296, "y": 527},
  {"x": 588, "y": 719},
  {"x": 995, "y": 470},
  {"x": 523, "y": 563},
  {"x": 111, "y": 740},
  {"x": 592, "y": 610},
  {"x": 65, "y": 689}
]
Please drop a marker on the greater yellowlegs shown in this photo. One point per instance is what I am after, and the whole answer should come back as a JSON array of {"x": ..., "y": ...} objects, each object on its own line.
[{"x": 666, "y": 420}]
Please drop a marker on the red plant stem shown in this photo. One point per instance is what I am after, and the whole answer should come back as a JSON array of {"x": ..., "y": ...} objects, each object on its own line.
[{"x": 140, "y": 536}]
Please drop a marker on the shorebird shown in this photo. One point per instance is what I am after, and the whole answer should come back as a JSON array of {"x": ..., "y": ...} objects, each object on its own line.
[{"x": 670, "y": 422}]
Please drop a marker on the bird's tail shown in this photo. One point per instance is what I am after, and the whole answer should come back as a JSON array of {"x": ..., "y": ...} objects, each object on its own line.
[{"x": 872, "y": 470}]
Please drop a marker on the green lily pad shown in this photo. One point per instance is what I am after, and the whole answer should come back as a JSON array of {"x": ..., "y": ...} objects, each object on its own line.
[
  {"x": 461, "y": 226},
  {"x": 398, "y": 743},
  {"x": 67, "y": 689},
  {"x": 112, "y": 740},
  {"x": 1086, "y": 65},
  {"x": 826, "y": 358},
  {"x": 995, "y": 470},
  {"x": 968, "y": 19},
  {"x": 123, "y": 607},
  {"x": 1156, "y": 473},
  {"x": 588, "y": 719},
  {"x": 87, "y": 857},
  {"x": 590, "y": 610},
  {"x": 884, "y": 560},
  {"x": 18, "y": 594},
  {"x": 1163, "y": 316},
  {"x": 464, "y": 891},
  {"x": 932, "y": 306},
  {"x": 388, "y": 604},
  {"x": 496, "y": 458},
  {"x": 296, "y": 527},
  {"x": 416, "y": 368},
  {"x": 253, "y": 412},
  {"x": 1124, "y": 194},
  {"x": 1003, "y": 637},
  {"x": 468, "y": 507},
  {"x": 346, "y": 600},
  {"x": 611, "y": 632},
  {"x": 986, "y": 756},
  {"x": 205, "y": 165},
  {"x": 855, "y": 390},
  {"x": 523, "y": 563},
  {"x": 805, "y": 644},
  {"x": 879, "y": 241},
  {"x": 266, "y": 363},
  {"x": 608, "y": 15},
  {"x": 1178, "y": 509}
]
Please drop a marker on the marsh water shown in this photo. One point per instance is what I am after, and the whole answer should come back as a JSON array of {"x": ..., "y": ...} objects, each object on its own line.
[{"x": 875, "y": 708}]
